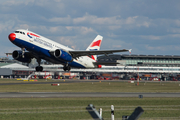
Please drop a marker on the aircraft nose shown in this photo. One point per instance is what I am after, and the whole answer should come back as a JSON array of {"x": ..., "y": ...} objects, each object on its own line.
[{"x": 12, "y": 37}]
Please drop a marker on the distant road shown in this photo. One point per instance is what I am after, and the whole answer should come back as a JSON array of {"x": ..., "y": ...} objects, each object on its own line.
[{"x": 81, "y": 94}]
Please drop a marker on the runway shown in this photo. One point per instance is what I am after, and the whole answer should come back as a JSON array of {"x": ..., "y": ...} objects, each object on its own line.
[{"x": 81, "y": 94}]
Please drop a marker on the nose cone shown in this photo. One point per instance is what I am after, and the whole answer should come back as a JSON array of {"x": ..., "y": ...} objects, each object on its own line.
[{"x": 12, "y": 37}]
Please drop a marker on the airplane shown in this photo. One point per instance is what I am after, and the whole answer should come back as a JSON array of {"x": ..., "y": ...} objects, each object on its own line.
[{"x": 36, "y": 46}]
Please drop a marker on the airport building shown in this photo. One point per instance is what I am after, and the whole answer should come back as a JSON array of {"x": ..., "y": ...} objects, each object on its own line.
[
  {"x": 147, "y": 67},
  {"x": 143, "y": 60}
]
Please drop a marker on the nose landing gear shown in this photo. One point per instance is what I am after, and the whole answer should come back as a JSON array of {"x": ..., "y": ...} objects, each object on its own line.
[{"x": 39, "y": 68}]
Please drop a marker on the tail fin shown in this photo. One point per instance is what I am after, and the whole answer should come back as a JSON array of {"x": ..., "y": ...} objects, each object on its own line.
[{"x": 95, "y": 45}]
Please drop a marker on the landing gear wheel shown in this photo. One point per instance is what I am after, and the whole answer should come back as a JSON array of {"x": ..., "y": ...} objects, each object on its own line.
[
  {"x": 39, "y": 68},
  {"x": 64, "y": 68},
  {"x": 68, "y": 68}
]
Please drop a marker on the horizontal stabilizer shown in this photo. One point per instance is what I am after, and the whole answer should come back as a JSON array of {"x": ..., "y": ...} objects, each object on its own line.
[{"x": 105, "y": 63}]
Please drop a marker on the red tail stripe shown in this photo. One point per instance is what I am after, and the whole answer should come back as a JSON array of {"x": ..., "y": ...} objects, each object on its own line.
[{"x": 97, "y": 43}]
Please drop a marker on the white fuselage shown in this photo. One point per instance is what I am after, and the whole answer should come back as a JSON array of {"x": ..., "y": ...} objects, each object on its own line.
[{"x": 43, "y": 46}]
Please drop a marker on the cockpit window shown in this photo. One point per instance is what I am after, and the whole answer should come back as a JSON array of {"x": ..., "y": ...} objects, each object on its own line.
[{"x": 20, "y": 32}]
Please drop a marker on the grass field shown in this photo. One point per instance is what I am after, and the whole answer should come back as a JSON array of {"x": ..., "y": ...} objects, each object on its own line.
[
  {"x": 97, "y": 86},
  {"x": 75, "y": 108}
]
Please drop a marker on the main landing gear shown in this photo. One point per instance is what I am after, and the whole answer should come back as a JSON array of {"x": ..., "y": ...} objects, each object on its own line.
[
  {"x": 39, "y": 68},
  {"x": 66, "y": 67}
]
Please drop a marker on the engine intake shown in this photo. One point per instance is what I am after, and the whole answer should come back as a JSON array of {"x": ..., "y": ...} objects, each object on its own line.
[
  {"x": 63, "y": 55},
  {"x": 17, "y": 55}
]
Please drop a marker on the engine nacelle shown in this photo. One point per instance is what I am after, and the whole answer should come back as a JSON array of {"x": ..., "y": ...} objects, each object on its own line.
[
  {"x": 17, "y": 55},
  {"x": 63, "y": 55}
]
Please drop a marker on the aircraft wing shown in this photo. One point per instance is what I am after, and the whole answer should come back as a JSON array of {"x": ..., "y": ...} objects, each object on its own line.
[{"x": 98, "y": 52}]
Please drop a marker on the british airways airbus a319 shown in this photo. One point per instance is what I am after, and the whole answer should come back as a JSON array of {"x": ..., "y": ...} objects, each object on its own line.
[{"x": 36, "y": 46}]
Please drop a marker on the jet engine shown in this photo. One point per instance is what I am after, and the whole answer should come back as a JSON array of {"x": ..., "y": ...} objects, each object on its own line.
[
  {"x": 18, "y": 55},
  {"x": 63, "y": 55}
]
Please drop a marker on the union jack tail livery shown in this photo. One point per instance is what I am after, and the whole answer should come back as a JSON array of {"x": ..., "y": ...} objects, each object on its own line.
[{"x": 95, "y": 45}]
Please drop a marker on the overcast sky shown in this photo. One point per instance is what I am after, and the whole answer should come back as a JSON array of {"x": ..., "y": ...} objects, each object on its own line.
[{"x": 149, "y": 27}]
